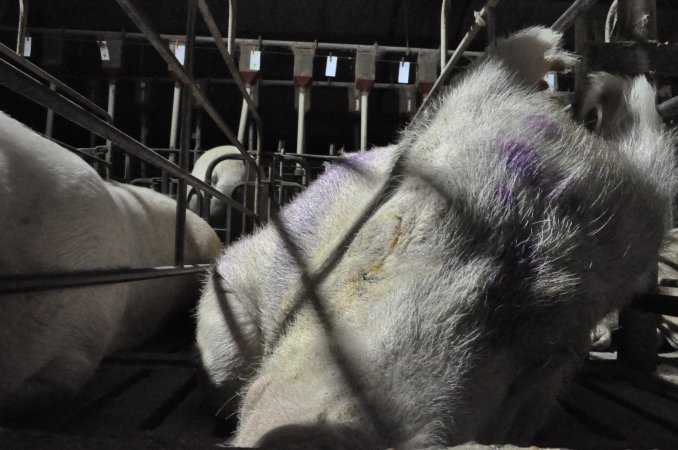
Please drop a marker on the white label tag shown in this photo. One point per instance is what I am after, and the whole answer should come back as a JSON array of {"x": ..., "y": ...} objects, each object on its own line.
[
  {"x": 180, "y": 52},
  {"x": 27, "y": 46},
  {"x": 404, "y": 72},
  {"x": 255, "y": 60},
  {"x": 550, "y": 79},
  {"x": 331, "y": 67},
  {"x": 103, "y": 49}
]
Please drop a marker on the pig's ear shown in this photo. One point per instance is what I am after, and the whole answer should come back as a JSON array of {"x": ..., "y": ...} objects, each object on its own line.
[{"x": 600, "y": 110}]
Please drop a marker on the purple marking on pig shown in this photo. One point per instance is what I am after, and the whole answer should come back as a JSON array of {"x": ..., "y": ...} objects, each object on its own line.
[
  {"x": 540, "y": 123},
  {"x": 522, "y": 159},
  {"x": 505, "y": 196}
]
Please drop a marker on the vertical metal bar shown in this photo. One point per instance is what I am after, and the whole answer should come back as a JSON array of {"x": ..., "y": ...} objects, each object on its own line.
[
  {"x": 231, "y": 26},
  {"x": 186, "y": 116},
  {"x": 49, "y": 123},
  {"x": 637, "y": 21},
  {"x": 300, "y": 120},
  {"x": 143, "y": 138},
  {"x": 111, "y": 113},
  {"x": 21, "y": 32},
  {"x": 444, "y": 10},
  {"x": 363, "y": 121},
  {"x": 243, "y": 116},
  {"x": 491, "y": 21},
  {"x": 174, "y": 127}
]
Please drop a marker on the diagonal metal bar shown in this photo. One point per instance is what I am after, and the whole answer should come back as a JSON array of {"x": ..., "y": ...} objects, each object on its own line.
[
  {"x": 30, "y": 67},
  {"x": 142, "y": 22},
  {"x": 17, "y": 283},
  {"x": 213, "y": 28},
  {"x": 23, "y": 84}
]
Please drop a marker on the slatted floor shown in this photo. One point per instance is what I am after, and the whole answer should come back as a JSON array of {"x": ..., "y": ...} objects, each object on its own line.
[{"x": 154, "y": 399}]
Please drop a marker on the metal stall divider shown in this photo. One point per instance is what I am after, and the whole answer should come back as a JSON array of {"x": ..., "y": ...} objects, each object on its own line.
[{"x": 14, "y": 78}]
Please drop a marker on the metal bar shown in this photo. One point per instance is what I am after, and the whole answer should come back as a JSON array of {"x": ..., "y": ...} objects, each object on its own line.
[
  {"x": 208, "y": 39},
  {"x": 17, "y": 283},
  {"x": 186, "y": 126},
  {"x": 49, "y": 121},
  {"x": 111, "y": 113},
  {"x": 35, "y": 70},
  {"x": 157, "y": 42},
  {"x": 226, "y": 55},
  {"x": 668, "y": 109},
  {"x": 21, "y": 29},
  {"x": 444, "y": 10},
  {"x": 231, "y": 25},
  {"x": 21, "y": 83},
  {"x": 456, "y": 56},
  {"x": 208, "y": 179},
  {"x": 363, "y": 120},
  {"x": 301, "y": 110},
  {"x": 243, "y": 117},
  {"x": 174, "y": 127},
  {"x": 567, "y": 19}
]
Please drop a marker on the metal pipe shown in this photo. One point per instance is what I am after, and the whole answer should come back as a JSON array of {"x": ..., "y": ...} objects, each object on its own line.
[
  {"x": 444, "y": 10},
  {"x": 111, "y": 114},
  {"x": 363, "y": 120},
  {"x": 174, "y": 131},
  {"x": 49, "y": 122},
  {"x": 157, "y": 42},
  {"x": 101, "y": 34},
  {"x": 14, "y": 79},
  {"x": 35, "y": 70},
  {"x": 17, "y": 283},
  {"x": 243, "y": 116},
  {"x": 458, "y": 53},
  {"x": 231, "y": 26},
  {"x": 300, "y": 120},
  {"x": 21, "y": 28},
  {"x": 186, "y": 127},
  {"x": 226, "y": 54},
  {"x": 143, "y": 138},
  {"x": 567, "y": 19},
  {"x": 208, "y": 179}
]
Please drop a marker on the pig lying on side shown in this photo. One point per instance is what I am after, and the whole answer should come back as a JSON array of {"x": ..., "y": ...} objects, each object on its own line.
[
  {"x": 225, "y": 177},
  {"x": 462, "y": 302},
  {"x": 59, "y": 216}
]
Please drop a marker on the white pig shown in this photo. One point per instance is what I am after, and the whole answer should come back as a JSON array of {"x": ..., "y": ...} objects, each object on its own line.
[
  {"x": 59, "y": 216},
  {"x": 461, "y": 303},
  {"x": 225, "y": 177}
]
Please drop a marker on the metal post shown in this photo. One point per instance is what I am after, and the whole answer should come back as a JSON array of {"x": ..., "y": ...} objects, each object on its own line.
[
  {"x": 300, "y": 120},
  {"x": 174, "y": 132},
  {"x": 637, "y": 21},
  {"x": 444, "y": 10},
  {"x": 363, "y": 120},
  {"x": 231, "y": 26},
  {"x": 111, "y": 113},
  {"x": 243, "y": 116},
  {"x": 49, "y": 123},
  {"x": 186, "y": 126},
  {"x": 21, "y": 32}
]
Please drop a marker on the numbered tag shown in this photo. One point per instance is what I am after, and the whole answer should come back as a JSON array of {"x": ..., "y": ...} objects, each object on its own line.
[
  {"x": 255, "y": 60},
  {"x": 404, "y": 72},
  {"x": 27, "y": 46},
  {"x": 180, "y": 52},
  {"x": 103, "y": 50},
  {"x": 331, "y": 67}
]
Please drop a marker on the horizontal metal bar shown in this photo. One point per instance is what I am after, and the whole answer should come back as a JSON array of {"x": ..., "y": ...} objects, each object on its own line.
[
  {"x": 14, "y": 284},
  {"x": 23, "y": 84},
  {"x": 208, "y": 39},
  {"x": 30, "y": 67},
  {"x": 668, "y": 109},
  {"x": 79, "y": 151},
  {"x": 142, "y": 22}
]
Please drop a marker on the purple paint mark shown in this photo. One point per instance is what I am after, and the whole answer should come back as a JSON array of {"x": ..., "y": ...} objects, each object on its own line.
[
  {"x": 540, "y": 123},
  {"x": 522, "y": 159}
]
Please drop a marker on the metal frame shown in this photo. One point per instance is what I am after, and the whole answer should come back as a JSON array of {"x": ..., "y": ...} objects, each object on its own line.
[{"x": 88, "y": 115}]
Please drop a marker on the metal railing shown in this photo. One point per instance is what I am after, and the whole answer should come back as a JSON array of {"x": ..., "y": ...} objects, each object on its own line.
[{"x": 17, "y": 74}]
